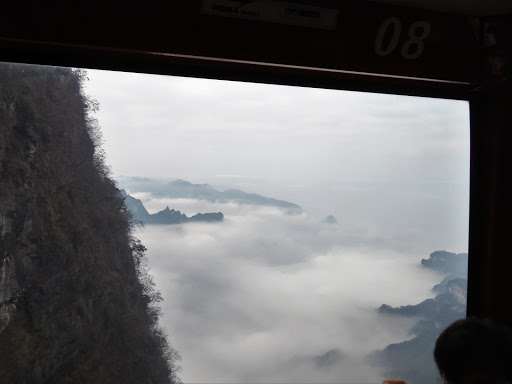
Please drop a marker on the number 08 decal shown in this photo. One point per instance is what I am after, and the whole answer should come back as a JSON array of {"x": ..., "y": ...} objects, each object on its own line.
[{"x": 412, "y": 48}]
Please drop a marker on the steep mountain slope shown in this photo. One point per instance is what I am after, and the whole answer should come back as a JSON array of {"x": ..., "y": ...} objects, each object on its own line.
[
  {"x": 412, "y": 360},
  {"x": 76, "y": 304},
  {"x": 166, "y": 216}
]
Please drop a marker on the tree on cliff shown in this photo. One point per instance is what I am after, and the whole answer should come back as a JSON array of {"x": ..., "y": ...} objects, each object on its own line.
[{"x": 76, "y": 302}]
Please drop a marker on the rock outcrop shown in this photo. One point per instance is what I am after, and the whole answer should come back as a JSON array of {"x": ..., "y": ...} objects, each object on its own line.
[
  {"x": 166, "y": 216},
  {"x": 447, "y": 262},
  {"x": 444, "y": 308},
  {"x": 330, "y": 220},
  {"x": 72, "y": 306}
]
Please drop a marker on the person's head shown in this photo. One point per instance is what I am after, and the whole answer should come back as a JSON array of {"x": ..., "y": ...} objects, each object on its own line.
[{"x": 473, "y": 351}]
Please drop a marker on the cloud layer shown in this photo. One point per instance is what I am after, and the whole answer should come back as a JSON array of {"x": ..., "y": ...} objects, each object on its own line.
[{"x": 268, "y": 297}]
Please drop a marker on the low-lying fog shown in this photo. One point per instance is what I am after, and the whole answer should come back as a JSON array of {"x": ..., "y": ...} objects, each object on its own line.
[{"x": 268, "y": 297}]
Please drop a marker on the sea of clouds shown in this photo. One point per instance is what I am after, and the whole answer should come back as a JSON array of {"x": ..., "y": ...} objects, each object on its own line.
[{"x": 268, "y": 297}]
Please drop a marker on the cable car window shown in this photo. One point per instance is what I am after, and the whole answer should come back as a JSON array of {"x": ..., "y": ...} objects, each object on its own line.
[{"x": 343, "y": 232}]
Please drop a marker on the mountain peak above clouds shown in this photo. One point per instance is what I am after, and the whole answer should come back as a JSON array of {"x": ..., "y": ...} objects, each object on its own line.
[
  {"x": 330, "y": 220},
  {"x": 412, "y": 359},
  {"x": 180, "y": 188},
  {"x": 167, "y": 215}
]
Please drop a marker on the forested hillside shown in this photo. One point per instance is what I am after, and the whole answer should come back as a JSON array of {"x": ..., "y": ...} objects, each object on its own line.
[{"x": 76, "y": 302}]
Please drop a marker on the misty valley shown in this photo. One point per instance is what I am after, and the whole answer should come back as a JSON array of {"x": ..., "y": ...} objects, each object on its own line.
[
  {"x": 296, "y": 235},
  {"x": 182, "y": 230},
  {"x": 267, "y": 292}
]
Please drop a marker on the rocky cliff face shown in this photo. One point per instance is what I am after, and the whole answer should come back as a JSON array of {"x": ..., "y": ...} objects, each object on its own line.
[{"x": 72, "y": 306}]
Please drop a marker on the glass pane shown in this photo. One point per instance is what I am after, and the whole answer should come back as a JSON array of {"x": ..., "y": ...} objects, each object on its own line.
[{"x": 307, "y": 288}]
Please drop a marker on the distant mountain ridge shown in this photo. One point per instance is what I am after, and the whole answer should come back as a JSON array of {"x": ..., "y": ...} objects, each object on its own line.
[
  {"x": 455, "y": 264},
  {"x": 444, "y": 308},
  {"x": 412, "y": 360},
  {"x": 447, "y": 262},
  {"x": 183, "y": 189},
  {"x": 166, "y": 216}
]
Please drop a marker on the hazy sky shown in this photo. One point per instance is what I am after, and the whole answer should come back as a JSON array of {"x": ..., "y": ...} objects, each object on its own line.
[
  {"x": 362, "y": 157},
  {"x": 199, "y": 129}
]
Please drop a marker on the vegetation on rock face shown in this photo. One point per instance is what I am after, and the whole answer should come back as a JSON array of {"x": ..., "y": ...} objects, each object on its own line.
[{"x": 77, "y": 304}]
